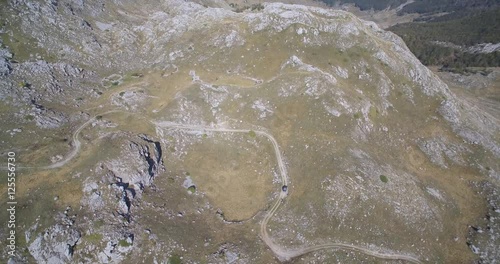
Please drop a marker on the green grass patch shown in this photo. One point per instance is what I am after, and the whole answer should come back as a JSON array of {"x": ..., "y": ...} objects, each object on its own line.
[
  {"x": 94, "y": 238},
  {"x": 373, "y": 112},
  {"x": 123, "y": 243},
  {"x": 357, "y": 115},
  {"x": 192, "y": 189},
  {"x": 252, "y": 133},
  {"x": 99, "y": 223},
  {"x": 384, "y": 178},
  {"x": 23, "y": 84},
  {"x": 174, "y": 259}
]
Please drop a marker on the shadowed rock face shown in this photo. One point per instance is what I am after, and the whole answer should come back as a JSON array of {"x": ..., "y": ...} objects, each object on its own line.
[{"x": 370, "y": 137}]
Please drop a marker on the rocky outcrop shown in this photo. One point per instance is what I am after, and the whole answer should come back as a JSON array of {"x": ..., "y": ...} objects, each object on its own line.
[
  {"x": 228, "y": 253},
  {"x": 5, "y": 66},
  {"x": 113, "y": 194},
  {"x": 478, "y": 48},
  {"x": 484, "y": 239},
  {"x": 47, "y": 118},
  {"x": 57, "y": 243},
  {"x": 138, "y": 165}
]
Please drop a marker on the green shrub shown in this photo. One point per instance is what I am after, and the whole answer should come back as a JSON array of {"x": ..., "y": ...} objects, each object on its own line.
[
  {"x": 384, "y": 178},
  {"x": 257, "y": 7},
  {"x": 137, "y": 75},
  {"x": 123, "y": 243},
  {"x": 24, "y": 84},
  {"x": 174, "y": 259}
]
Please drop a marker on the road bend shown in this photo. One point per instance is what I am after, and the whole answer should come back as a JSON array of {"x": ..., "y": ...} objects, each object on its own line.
[{"x": 281, "y": 253}]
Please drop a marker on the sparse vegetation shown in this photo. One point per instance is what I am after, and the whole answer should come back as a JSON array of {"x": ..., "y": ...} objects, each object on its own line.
[
  {"x": 192, "y": 189},
  {"x": 373, "y": 112},
  {"x": 254, "y": 7},
  {"x": 252, "y": 133}
]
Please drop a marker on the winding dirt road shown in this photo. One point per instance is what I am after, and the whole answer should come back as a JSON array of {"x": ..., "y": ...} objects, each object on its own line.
[
  {"x": 76, "y": 146},
  {"x": 281, "y": 253}
]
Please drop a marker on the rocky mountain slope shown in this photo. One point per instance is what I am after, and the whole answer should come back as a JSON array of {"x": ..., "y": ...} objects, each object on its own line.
[{"x": 380, "y": 153}]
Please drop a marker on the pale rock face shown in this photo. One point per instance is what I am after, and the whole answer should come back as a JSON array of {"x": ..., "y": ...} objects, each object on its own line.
[
  {"x": 341, "y": 72},
  {"x": 436, "y": 193},
  {"x": 214, "y": 96},
  {"x": 138, "y": 165},
  {"x": 56, "y": 244},
  {"x": 229, "y": 40},
  {"x": 94, "y": 199},
  {"x": 331, "y": 110},
  {"x": 264, "y": 108},
  {"x": 439, "y": 148},
  {"x": 478, "y": 48},
  {"x": 5, "y": 56}
]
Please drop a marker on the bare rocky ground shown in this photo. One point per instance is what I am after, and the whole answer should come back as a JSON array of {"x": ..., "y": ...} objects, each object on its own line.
[{"x": 381, "y": 153}]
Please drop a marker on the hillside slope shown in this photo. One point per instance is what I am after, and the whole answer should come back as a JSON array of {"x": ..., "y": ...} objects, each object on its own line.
[{"x": 186, "y": 132}]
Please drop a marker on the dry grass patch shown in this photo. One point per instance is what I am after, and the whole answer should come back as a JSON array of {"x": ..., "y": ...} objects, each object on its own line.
[{"x": 235, "y": 174}]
